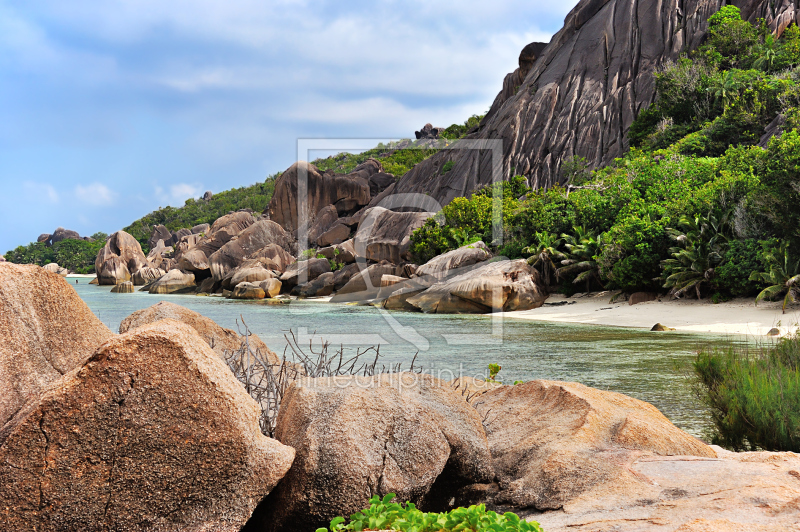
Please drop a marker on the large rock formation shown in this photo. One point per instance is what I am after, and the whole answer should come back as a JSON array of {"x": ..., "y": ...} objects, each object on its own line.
[
  {"x": 506, "y": 285},
  {"x": 345, "y": 192},
  {"x": 120, "y": 258},
  {"x": 223, "y": 341},
  {"x": 581, "y": 93},
  {"x": 173, "y": 281},
  {"x": 554, "y": 442},
  {"x": 46, "y": 330},
  {"x": 407, "y": 434},
  {"x": 62, "y": 234},
  {"x": 153, "y": 432},
  {"x": 254, "y": 238},
  {"x": 386, "y": 235}
]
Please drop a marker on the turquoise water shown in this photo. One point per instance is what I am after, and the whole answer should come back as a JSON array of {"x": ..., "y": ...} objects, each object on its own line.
[{"x": 651, "y": 367}]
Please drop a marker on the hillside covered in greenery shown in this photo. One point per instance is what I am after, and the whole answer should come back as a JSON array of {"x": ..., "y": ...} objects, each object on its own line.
[
  {"x": 75, "y": 255},
  {"x": 696, "y": 207}
]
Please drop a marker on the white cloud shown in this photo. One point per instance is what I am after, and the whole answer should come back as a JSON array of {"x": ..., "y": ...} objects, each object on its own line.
[
  {"x": 95, "y": 194},
  {"x": 178, "y": 193},
  {"x": 41, "y": 191}
]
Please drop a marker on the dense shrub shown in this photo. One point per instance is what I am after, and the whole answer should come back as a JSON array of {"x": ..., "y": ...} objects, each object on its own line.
[
  {"x": 754, "y": 398},
  {"x": 386, "y": 515},
  {"x": 741, "y": 259}
]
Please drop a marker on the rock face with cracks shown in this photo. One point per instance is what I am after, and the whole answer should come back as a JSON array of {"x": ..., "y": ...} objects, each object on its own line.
[
  {"x": 120, "y": 258},
  {"x": 153, "y": 432},
  {"x": 355, "y": 437},
  {"x": 554, "y": 442},
  {"x": 46, "y": 330}
]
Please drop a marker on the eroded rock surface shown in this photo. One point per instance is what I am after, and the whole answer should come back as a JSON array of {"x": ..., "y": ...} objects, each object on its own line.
[
  {"x": 120, "y": 258},
  {"x": 407, "y": 434},
  {"x": 46, "y": 330},
  {"x": 153, "y": 432},
  {"x": 386, "y": 235}
]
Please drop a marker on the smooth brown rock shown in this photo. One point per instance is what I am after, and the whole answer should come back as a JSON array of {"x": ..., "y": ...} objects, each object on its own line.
[
  {"x": 320, "y": 287},
  {"x": 553, "y": 442},
  {"x": 120, "y": 258},
  {"x": 160, "y": 233},
  {"x": 407, "y": 434},
  {"x": 248, "y": 291},
  {"x": 273, "y": 257},
  {"x": 153, "y": 432},
  {"x": 323, "y": 190},
  {"x": 642, "y": 297},
  {"x": 62, "y": 234},
  {"x": 326, "y": 218},
  {"x": 123, "y": 288},
  {"x": 502, "y": 285},
  {"x": 271, "y": 287},
  {"x": 304, "y": 271},
  {"x": 386, "y": 235},
  {"x": 194, "y": 260},
  {"x": 200, "y": 229},
  {"x": 254, "y": 238},
  {"x": 452, "y": 262},
  {"x": 173, "y": 281},
  {"x": 251, "y": 275},
  {"x": 56, "y": 269},
  {"x": 147, "y": 275},
  {"x": 363, "y": 284},
  {"x": 220, "y": 339},
  {"x": 46, "y": 330},
  {"x": 661, "y": 328},
  {"x": 733, "y": 492},
  {"x": 335, "y": 235}
]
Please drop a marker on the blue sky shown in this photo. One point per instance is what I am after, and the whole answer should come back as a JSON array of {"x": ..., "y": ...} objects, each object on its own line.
[{"x": 113, "y": 108}]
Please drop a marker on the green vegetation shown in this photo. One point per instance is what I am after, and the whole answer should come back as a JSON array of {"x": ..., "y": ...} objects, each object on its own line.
[
  {"x": 198, "y": 211},
  {"x": 75, "y": 255},
  {"x": 754, "y": 398},
  {"x": 386, "y": 515},
  {"x": 695, "y": 207}
]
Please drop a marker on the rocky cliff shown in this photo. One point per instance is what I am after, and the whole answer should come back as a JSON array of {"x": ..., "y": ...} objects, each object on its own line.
[{"x": 581, "y": 92}]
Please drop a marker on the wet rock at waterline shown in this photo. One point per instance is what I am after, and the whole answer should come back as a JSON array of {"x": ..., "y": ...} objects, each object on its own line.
[
  {"x": 248, "y": 291},
  {"x": 120, "y": 258},
  {"x": 125, "y": 447},
  {"x": 364, "y": 284},
  {"x": 123, "y": 288},
  {"x": 46, "y": 330},
  {"x": 500, "y": 286},
  {"x": 220, "y": 339},
  {"x": 554, "y": 443},
  {"x": 320, "y": 287},
  {"x": 173, "y": 281},
  {"x": 407, "y": 434},
  {"x": 658, "y": 327}
]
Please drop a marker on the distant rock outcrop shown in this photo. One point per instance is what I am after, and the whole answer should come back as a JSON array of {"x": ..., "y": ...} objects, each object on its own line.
[
  {"x": 429, "y": 132},
  {"x": 119, "y": 259},
  {"x": 153, "y": 432}
]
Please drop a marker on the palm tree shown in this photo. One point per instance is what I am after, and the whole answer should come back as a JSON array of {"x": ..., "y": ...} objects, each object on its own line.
[
  {"x": 782, "y": 278},
  {"x": 700, "y": 249},
  {"x": 544, "y": 254},
  {"x": 767, "y": 56},
  {"x": 583, "y": 248},
  {"x": 727, "y": 86}
]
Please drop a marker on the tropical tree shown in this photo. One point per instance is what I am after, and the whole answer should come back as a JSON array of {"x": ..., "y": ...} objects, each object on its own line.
[
  {"x": 544, "y": 254},
  {"x": 583, "y": 248},
  {"x": 767, "y": 54},
  {"x": 783, "y": 277},
  {"x": 726, "y": 87},
  {"x": 701, "y": 247}
]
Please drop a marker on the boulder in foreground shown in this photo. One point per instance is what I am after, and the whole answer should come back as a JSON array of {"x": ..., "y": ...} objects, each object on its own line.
[
  {"x": 152, "y": 433},
  {"x": 408, "y": 434},
  {"x": 554, "y": 442},
  {"x": 46, "y": 330}
]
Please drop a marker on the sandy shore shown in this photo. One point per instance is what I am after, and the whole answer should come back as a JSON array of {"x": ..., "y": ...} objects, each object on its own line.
[{"x": 739, "y": 316}]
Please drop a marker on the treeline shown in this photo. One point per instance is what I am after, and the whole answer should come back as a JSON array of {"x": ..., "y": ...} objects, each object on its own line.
[{"x": 75, "y": 255}]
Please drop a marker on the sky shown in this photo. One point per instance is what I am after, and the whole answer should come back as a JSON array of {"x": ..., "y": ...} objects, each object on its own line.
[{"x": 110, "y": 109}]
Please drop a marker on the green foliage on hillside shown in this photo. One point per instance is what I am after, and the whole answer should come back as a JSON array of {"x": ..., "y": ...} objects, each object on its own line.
[
  {"x": 199, "y": 211},
  {"x": 383, "y": 514},
  {"x": 695, "y": 208},
  {"x": 754, "y": 398},
  {"x": 75, "y": 255}
]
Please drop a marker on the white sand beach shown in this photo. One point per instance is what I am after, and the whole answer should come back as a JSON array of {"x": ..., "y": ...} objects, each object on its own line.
[{"x": 740, "y": 316}]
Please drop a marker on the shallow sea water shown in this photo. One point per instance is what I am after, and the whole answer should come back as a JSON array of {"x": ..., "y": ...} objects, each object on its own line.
[{"x": 652, "y": 367}]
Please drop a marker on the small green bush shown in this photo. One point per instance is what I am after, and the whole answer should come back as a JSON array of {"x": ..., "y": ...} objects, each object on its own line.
[
  {"x": 383, "y": 514},
  {"x": 754, "y": 398}
]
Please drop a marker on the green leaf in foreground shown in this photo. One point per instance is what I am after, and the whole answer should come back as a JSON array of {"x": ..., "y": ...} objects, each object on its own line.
[{"x": 383, "y": 514}]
